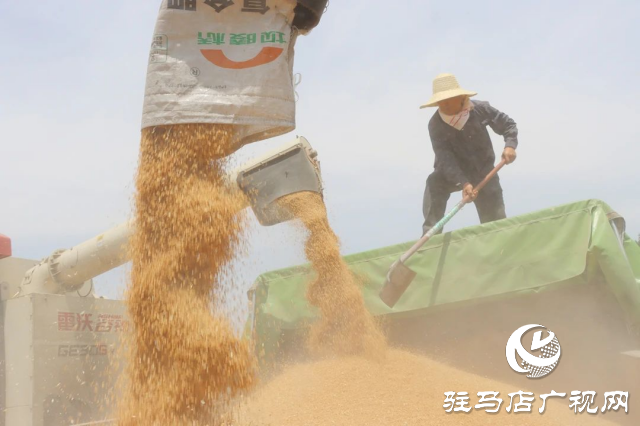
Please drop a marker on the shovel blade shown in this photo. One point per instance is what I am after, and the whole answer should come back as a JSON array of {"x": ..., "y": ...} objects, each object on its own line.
[{"x": 398, "y": 279}]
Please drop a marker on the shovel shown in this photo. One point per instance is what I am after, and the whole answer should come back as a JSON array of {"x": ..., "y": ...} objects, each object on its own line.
[{"x": 400, "y": 276}]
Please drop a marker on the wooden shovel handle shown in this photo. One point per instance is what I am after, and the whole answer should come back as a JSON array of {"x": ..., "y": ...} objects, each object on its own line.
[{"x": 487, "y": 178}]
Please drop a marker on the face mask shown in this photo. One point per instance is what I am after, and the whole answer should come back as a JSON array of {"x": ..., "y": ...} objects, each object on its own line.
[{"x": 458, "y": 120}]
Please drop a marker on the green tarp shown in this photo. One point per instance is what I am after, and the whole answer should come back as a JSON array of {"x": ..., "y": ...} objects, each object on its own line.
[{"x": 572, "y": 243}]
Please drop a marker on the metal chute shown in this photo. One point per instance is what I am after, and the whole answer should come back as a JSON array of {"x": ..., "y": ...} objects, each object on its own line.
[{"x": 293, "y": 168}]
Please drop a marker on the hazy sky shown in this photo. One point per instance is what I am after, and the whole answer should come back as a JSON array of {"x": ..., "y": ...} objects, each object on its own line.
[{"x": 72, "y": 78}]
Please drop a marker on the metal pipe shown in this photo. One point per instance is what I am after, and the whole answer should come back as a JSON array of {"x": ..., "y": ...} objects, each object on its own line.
[{"x": 67, "y": 270}]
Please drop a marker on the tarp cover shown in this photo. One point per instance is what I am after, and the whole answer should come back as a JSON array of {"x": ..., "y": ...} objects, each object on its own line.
[{"x": 508, "y": 258}]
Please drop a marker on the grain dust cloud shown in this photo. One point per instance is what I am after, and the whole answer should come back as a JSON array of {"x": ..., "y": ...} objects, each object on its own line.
[{"x": 186, "y": 366}]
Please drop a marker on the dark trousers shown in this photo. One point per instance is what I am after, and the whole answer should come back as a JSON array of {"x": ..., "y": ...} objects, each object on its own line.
[{"x": 489, "y": 202}]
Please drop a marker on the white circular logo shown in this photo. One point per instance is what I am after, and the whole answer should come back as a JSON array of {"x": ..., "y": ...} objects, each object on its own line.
[{"x": 536, "y": 366}]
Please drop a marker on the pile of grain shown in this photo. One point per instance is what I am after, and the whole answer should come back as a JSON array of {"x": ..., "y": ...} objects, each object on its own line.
[
  {"x": 182, "y": 361},
  {"x": 345, "y": 326},
  {"x": 404, "y": 390}
]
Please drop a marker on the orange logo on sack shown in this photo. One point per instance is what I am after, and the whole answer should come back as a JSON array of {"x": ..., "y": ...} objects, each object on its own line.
[{"x": 266, "y": 55}]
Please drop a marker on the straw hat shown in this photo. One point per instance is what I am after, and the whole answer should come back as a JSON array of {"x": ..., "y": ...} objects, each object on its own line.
[{"x": 445, "y": 86}]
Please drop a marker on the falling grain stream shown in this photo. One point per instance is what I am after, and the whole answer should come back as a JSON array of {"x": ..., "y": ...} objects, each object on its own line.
[{"x": 183, "y": 362}]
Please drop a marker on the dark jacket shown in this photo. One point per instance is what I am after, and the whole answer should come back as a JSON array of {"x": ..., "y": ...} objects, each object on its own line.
[{"x": 467, "y": 155}]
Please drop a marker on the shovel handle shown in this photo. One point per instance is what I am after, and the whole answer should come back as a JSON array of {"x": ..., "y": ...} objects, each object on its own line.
[
  {"x": 488, "y": 177},
  {"x": 438, "y": 226}
]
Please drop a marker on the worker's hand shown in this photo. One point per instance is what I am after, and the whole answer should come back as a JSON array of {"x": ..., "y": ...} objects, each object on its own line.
[
  {"x": 468, "y": 192},
  {"x": 509, "y": 155}
]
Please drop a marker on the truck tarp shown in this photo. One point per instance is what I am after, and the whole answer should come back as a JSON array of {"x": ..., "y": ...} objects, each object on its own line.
[{"x": 569, "y": 244}]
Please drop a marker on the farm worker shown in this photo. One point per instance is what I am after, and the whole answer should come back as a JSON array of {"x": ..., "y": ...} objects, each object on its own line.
[{"x": 463, "y": 151}]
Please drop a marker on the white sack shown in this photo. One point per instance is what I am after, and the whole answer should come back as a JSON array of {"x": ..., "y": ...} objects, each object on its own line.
[{"x": 223, "y": 61}]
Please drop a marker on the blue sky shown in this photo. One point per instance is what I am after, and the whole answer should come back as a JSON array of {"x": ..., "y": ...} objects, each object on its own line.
[{"x": 72, "y": 78}]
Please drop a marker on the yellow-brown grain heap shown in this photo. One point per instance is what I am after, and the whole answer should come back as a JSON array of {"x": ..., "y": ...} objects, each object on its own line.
[
  {"x": 345, "y": 326},
  {"x": 403, "y": 390},
  {"x": 182, "y": 361}
]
